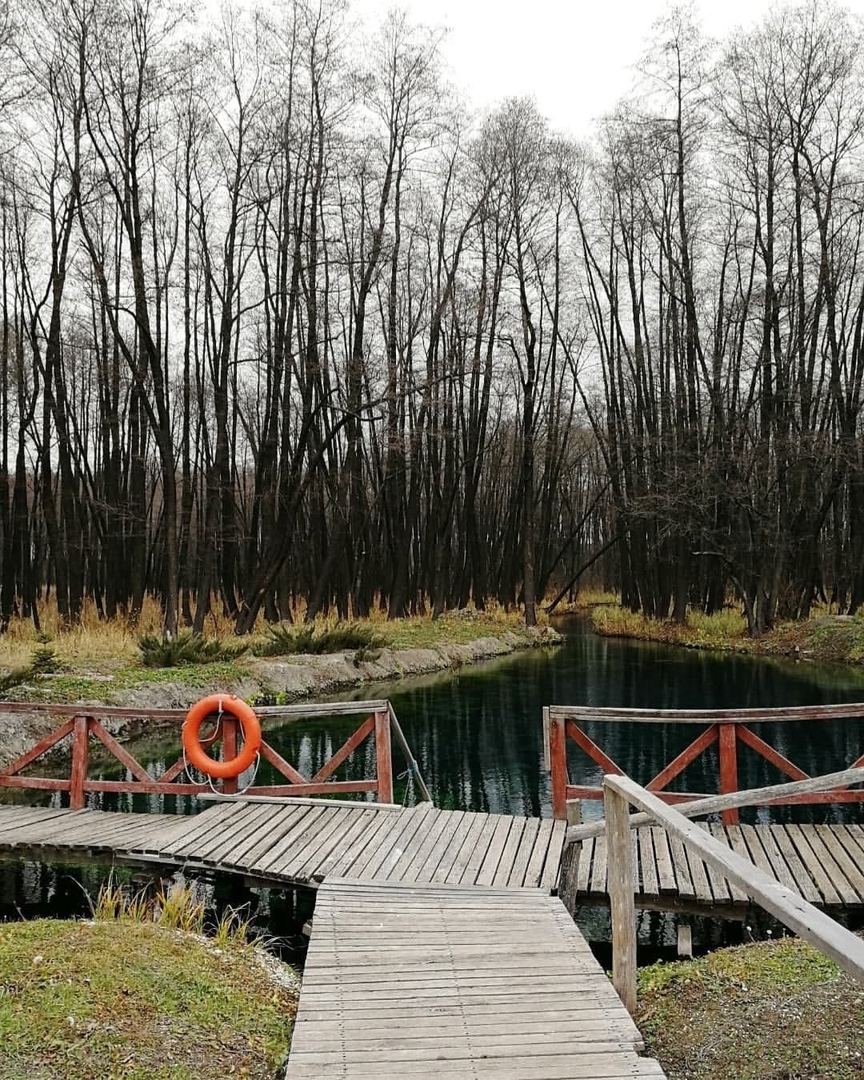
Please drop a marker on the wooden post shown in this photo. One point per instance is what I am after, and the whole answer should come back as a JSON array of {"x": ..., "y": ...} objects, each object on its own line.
[
  {"x": 80, "y": 753},
  {"x": 558, "y": 759},
  {"x": 547, "y": 763},
  {"x": 574, "y": 811},
  {"x": 383, "y": 756},
  {"x": 229, "y": 751},
  {"x": 729, "y": 768},
  {"x": 619, "y": 848}
]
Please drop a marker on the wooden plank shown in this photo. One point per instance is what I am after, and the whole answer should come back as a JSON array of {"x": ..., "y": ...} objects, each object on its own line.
[
  {"x": 583, "y": 871},
  {"x": 282, "y": 820},
  {"x": 508, "y": 855},
  {"x": 295, "y": 859},
  {"x": 383, "y": 838},
  {"x": 552, "y": 865},
  {"x": 683, "y": 874},
  {"x": 646, "y": 864},
  {"x": 357, "y": 849},
  {"x": 523, "y": 855},
  {"x": 534, "y": 873},
  {"x": 813, "y": 865},
  {"x": 731, "y": 835},
  {"x": 845, "y": 856},
  {"x": 766, "y": 855},
  {"x": 439, "y": 848},
  {"x": 435, "y": 823},
  {"x": 464, "y": 837},
  {"x": 397, "y": 848},
  {"x": 487, "y": 871},
  {"x": 719, "y": 884},
  {"x": 292, "y": 841},
  {"x": 666, "y": 880},
  {"x": 803, "y": 881},
  {"x": 825, "y": 856}
]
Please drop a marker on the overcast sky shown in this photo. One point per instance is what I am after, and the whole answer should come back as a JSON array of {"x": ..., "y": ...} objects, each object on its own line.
[{"x": 575, "y": 57}]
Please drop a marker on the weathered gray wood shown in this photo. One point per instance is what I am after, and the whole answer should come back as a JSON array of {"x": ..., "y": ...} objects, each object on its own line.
[
  {"x": 447, "y": 981},
  {"x": 621, "y": 881},
  {"x": 580, "y": 713},
  {"x": 716, "y": 803},
  {"x": 843, "y": 947}
]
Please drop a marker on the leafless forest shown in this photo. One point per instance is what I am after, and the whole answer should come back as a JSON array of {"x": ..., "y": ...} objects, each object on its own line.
[{"x": 282, "y": 318}]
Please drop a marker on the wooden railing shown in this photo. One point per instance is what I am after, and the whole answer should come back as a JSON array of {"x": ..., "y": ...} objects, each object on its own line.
[
  {"x": 620, "y": 793},
  {"x": 729, "y": 728},
  {"x": 84, "y": 723}
]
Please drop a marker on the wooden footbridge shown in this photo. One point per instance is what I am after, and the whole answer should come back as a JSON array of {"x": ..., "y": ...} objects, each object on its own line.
[{"x": 439, "y": 947}]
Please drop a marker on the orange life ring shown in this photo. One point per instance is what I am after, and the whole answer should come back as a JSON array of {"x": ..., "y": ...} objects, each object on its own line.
[{"x": 195, "y": 753}]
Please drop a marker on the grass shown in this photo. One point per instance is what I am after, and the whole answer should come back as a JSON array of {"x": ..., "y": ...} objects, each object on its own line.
[
  {"x": 124, "y": 998},
  {"x": 101, "y": 660},
  {"x": 724, "y": 629},
  {"x": 825, "y": 636},
  {"x": 776, "y": 1010}
]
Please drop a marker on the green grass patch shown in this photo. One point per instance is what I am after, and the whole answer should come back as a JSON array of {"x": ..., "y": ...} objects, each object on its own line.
[
  {"x": 776, "y": 1010},
  {"x": 131, "y": 999}
]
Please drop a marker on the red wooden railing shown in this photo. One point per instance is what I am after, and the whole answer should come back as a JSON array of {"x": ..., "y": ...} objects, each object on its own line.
[
  {"x": 729, "y": 728},
  {"x": 84, "y": 723}
]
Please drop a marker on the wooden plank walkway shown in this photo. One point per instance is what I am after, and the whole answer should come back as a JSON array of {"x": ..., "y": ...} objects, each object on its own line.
[
  {"x": 455, "y": 981},
  {"x": 823, "y": 863},
  {"x": 301, "y": 842}
]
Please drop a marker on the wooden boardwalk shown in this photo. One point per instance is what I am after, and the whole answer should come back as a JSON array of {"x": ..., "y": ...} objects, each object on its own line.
[
  {"x": 302, "y": 843},
  {"x": 823, "y": 863},
  {"x": 456, "y": 982}
]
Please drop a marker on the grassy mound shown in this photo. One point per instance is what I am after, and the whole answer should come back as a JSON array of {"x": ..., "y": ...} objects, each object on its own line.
[
  {"x": 81, "y": 1000},
  {"x": 776, "y": 1010}
]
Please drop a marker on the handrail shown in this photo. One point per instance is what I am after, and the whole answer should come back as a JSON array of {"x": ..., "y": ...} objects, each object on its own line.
[
  {"x": 725, "y": 728},
  {"x": 807, "y": 921},
  {"x": 300, "y": 710},
  {"x": 83, "y": 723},
  {"x": 783, "y": 714},
  {"x": 737, "y": 799}
]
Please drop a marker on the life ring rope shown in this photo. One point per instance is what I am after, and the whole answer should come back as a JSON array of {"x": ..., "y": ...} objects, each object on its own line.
[{"x": 193, "y": 746}]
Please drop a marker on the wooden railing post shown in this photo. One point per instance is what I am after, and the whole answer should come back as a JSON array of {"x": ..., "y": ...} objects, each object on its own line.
[
  {"x": 80, "y": 756},
  {"x": 729, "y": 768},
  {"x": 558, "y": 761},
  {"x": 620, "y": 884},
  {"x": 383, "y": 756},
  {"x": 229, "y": 751}
]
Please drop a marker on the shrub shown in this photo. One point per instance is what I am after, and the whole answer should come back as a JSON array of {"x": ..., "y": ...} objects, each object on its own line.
[
  {"x": 288, "y": 641},
  {"x": 186, "y": 648}
]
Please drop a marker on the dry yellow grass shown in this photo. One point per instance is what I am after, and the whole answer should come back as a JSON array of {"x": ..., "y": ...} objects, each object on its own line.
[{"x": 112, "y": 642}]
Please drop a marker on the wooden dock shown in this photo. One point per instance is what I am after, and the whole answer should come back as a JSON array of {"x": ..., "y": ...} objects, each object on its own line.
[
  {"x": 301, "y": 842},
  {"x": 822, "y": 863},
  {"x": 456, "y": 981}
]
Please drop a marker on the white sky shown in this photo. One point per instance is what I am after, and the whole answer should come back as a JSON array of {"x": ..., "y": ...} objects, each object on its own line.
[{"x": 576, "y": 57}]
